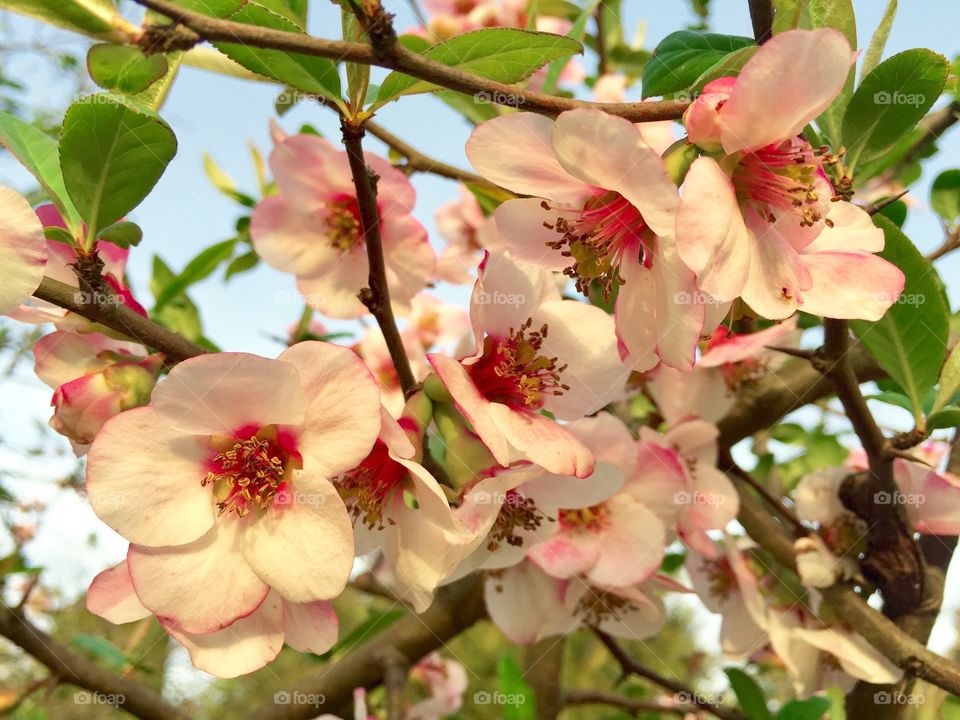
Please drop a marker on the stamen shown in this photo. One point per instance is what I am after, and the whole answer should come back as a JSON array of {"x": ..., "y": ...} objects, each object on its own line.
[
  {"x": 516, "y": 513},
  {"x": 591, "y": 518},
  {"x": 600, "y": 605},
  {"x": 343, "y": 223},
  {"x": 249, "y": 475},
  {"x": 367, "y": 488}
]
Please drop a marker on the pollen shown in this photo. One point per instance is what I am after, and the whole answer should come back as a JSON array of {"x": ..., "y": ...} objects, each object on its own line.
[
  {"x": 344, "y": 229},
  {"x": 248, "y": 475},
  {"x": 517, "y": 513},
  {"x": 367, "y": 489}
]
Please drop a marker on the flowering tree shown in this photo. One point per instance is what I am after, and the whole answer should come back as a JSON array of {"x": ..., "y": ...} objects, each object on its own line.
[{"x": 581, "y": 455}]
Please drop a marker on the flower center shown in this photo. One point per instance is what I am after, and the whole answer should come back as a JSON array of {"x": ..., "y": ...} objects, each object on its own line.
[
  {"x": 589, "y": 519},
  {"x": 516, "y": 513},
  {"x": 512, "y": 371},
  {"x": 367, "y": 488},
  {"x": 343, "y": 222},
  {"x": 598, "y": 605},
  {"x": 250, "y": 472},
  {"x": 596, "y": 239},
  {"x": 784, "y": 177}
]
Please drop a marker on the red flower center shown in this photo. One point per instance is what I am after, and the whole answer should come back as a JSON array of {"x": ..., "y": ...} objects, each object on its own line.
[
  {"x": 367, "y": 488},
  {"x": 512, "y": 371},
  {"x": 344, "y": 228},
  {"x": 590, "y": 519}
]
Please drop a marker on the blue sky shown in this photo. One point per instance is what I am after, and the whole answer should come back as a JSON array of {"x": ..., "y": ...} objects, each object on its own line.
[{"x": 184, "y": 214}]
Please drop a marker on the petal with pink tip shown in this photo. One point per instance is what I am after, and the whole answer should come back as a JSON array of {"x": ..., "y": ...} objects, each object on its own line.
[
  {"x": 410, "y": 260},
  {"x": 310, "y": 627},
  {"x": 303, "y": 548},
  {"x": 523, "y": 226},
  {"x": 567, "y": 555},
  {"x": 516, "y": 152},
  {"x": 564, "y": 491},
  {"x": 143, "y": 480},
  {"x": 632, "y": 545},
  {"x": 220, "y": 393},
  {"x": 777, "y": 277},
  {"x": 851, "y": 285},
  {"x": 608, "y": 438},
  {"x": 789, "y": 81},
  {"x": 288, "y": 239},
  {"x": 246, "y": 645},
  {"x": 342, "y": 418},
  {"x": 608, "y": 152},
  {"x": 712, "y": 238},
  {"x": 543, "y": 441},
  {"x": 112, "y": 597},
  {"x": 200, "y": 587},
  {"x": 23, "y": 253},
  {"x": 309, "y": 170}
]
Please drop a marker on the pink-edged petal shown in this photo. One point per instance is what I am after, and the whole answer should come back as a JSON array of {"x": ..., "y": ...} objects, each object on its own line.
[
  {"x": 632, "y": 545},
  {"x": 475, "y": 408},
  {"x": 543, "y": 441},
  {"x": 608, "y": 438},
  {"x": 395, "y": 193},
  {"x": 303, "y": 548},
  {"x": 288, "y": 239},
  {"x": 526, "y": 604},
  {"x": 112, "y": 597},
  {"x": 143, "y": 480},
  {"x": 851, "y": 285},
  {"x": 777, "y": 277},
  {"x": 23, "y": 253},
  {"x": 567, "y": 555},
  {"x": 608, "y": 152},
  {"x": 660, "y": 476},
  {"x": 310, "y": 627},
  {"x": 582, "y": 336},
  {"x": 789, "y": 81},
  {"x": 200, "y": 587},
  {"x": 523, "y": 226},
  {"x": 516, "y": 152},
  {"x": 246, "y": 645},
  {"x": 220, "y": 393},
  {"x": 712, "y": 238},
  {"x": 853, "y": 229},
  {"x": 333, "y": 292},
  {"x": 745, "y": 346},
  {"x": 508, "y": 292},
  {"x": 342, "y": 418},
  {"x": 309, "y": 170},
  {"x": 713, "y": 505}
]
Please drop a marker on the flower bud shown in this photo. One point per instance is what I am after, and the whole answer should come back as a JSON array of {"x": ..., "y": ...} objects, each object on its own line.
[{"x": 702, "y": 118}]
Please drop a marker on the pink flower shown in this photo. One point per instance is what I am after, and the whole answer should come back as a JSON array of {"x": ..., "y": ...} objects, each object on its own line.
[
  {"x": 534, "y": 352},
  {"x": 246, "y": 448},
  {"x": 375, "y": 353},
  {"x": 468, "y": 233},
  {"x": 435, "y": 322},
  {"x": 22, "y": 250},
  {"x": 422, "y": 542},
  {"x": 312, "y": 228},
  {"x": 445, "y": 680},
  {"x": 94, "y": 378},
  {"x": 246, "y": 645},
  {"x": 757, "y": 222},
  {"x": 603, "y": 210}
]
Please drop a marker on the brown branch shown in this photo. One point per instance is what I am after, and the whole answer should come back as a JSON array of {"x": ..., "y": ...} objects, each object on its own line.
[
  {"x": 761, "y": 17},
  {"x": 951, "y": 243},
  {"x": 407, "y": 62},
  {"x": 456, "y": 608},
  {"x": 117, "y": 316},
  {"x": 395, "y": 668},
  {"x": 418, "y": 162},
  {"x": 630, "y": 666},
  {"x": 376, "y": 296},
  {"x": 596, "y": 697},
  {"x": 68, "y": 667}
]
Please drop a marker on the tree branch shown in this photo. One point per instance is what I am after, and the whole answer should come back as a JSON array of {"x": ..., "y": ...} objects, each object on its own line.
[
  {"x": 119, "y": 317},
  {"x": 69, "y": 667},
  {"x": 405, "y": 61},
  {"x": 596, "y": 697},
  {"x": 377, "y": 295},
  {"x": 457, "y": 607},
  {"x": 761, "y": 16}
]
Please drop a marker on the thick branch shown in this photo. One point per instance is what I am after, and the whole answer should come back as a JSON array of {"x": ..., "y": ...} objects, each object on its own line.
[
  {"x": 456, "y": 608},
  {"x": 69, "y": 667},
  {"x": 407, "y": 62},
  {"x": 630, "y": 666},
  {"x": 377, "y": 295},
  {"x": 761, "y": 16},
  {"x": 120, "y": 318}
]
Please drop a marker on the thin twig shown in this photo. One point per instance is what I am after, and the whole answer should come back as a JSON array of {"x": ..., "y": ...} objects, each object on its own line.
[
  {"x": 407, "y": 62},
  {"x": 634, "y": 705},
  {"x": 761, "y": 16}
]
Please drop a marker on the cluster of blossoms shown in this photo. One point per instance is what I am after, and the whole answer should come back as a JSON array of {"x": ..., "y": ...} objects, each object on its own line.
[{"x": 249, "y": 487}]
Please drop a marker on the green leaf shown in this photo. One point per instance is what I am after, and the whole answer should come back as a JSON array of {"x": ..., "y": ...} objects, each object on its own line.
[
  {"x": 945, "y": 195},
  {"x": 241, "y": 264},
  {"x": 879, "y": 40},
  {"x": 896, "y": 212},
  {"x": 729, "y": 65},
  {"x": 910, "y": 340},
  {"x": 358, "y": 74},
  {"x": 90, "y": 17},
  {"x": 948, "y": 417},
  {"x": 949, "y": 380},
  {"x": 102, "y": 649},
  {"x": 307, "y": 73},
  {"x": 892, "y": 397},
  {"x": 37, "y": 152},
  {"x": 112, "y": 154},
  {"x": 519, "y": 702},
  {"x": 809, "y": 709},
  {"x": 123, "y": 68},
  {"x": 200, "y": 267},
  {"x": 506, "y": 55},
  {"x": 683, "y": 56},
  {"x": 122, "y": 234},
  {"x": 58, "y": 234},
  {"x": 179, "y": 314},
  {"x": 890, "y": 101},
  {"x": 749, "y": 694}
]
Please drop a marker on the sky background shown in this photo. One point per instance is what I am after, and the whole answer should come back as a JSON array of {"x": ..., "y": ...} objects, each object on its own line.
[{"x": 184, "y": 214}]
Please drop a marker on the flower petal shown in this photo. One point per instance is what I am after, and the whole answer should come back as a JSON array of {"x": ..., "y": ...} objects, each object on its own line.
[
  {"x": 310, "y": 627},
  {"x": 522, "y": 225},
  {"x": 112, "y": 597},
  {"x": 851, "y": 285},
  {"x": 23, "y": 253},
  {"x": 543, "y": 441},
  {"x": 288, "y": 239}
]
